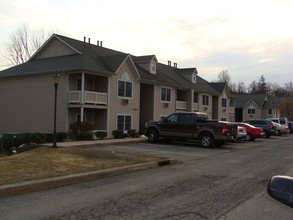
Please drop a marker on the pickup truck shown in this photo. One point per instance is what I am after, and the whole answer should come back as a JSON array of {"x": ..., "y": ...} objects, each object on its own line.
[{"x": 193, "y": 125}]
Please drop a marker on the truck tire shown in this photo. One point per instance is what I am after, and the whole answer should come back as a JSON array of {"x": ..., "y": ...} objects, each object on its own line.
[
  {"x": 206, "y": 140},
  {"x": 153, "y": 136}
]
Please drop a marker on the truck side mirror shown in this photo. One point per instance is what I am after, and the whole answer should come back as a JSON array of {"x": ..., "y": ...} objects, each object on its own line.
[{"x": 281, "y": 189}]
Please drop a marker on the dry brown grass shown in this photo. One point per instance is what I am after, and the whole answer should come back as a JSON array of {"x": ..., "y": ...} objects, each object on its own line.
[{"x": 51, "y": 162}]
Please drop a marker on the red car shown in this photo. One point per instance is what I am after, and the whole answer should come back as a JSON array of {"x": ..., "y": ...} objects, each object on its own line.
[{"x": 252, "y": 132}]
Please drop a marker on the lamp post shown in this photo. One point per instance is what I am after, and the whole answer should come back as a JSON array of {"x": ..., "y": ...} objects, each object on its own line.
[{"x": 56, "y": 78}]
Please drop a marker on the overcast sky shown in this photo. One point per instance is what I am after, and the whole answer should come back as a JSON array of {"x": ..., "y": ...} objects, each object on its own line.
[{"x": 248, "y": 38}]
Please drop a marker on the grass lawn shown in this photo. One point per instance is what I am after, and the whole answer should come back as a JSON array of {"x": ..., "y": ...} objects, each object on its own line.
[{"x": 46, "y": 162}]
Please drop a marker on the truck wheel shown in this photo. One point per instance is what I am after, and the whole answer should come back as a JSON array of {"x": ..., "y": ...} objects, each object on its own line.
[
  {"x": 153, "y": 136},
  {"x": 206, "y": 140}
]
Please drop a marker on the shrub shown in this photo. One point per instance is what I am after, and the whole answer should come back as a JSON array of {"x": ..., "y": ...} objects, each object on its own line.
[
  {"x": 85, "y": 136},
  {"x": 61, "y": 136},
  {"x": 101, "y": 134},
  {"x": 132, "y": 133},
  {"x": 37, "y": 138},
  {"x": 81, "y": 130},
  {"x": 118, "y": 134}
]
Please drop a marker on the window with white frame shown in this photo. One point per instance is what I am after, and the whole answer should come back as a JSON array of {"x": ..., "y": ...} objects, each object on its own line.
[
  {"x": 224, "y": 102},
  {"x": 124, "y": 89},
  {"x": 251, "y": 110},
  {"x": 165, "y": 94},
  {"x": 124, "y": 122},
  {"x": 205, "y": 100}
]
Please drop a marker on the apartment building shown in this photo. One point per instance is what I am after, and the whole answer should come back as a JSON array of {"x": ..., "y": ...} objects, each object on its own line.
[{"x": 107, "y": 88}]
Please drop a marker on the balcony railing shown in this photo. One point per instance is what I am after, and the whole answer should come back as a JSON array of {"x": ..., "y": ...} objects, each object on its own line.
[
  {"x": 195, "y": 107},
  {"x": 97, "y": 98},
  {"x": 181, "y": 105}
]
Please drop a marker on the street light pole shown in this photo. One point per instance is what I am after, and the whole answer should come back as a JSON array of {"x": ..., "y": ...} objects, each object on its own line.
[{"x": 56, "y": 78}]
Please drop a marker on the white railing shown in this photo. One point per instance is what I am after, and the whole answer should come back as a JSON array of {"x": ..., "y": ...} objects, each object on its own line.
[
  {"x": 181, "y": 105},
  {"x": 195, "y": 107},
  {"x": 97, "y": 98}
]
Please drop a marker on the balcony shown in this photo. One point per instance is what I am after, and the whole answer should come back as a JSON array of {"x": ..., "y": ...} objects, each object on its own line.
[
  {"x": 195, "y": 107},
  {"x": 182, "y": 106},
  {"x": 96, "y": 98}
]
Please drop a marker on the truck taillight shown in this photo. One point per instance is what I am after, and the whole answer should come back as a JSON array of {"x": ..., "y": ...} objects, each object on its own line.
[{"x": 224, "y": 129}]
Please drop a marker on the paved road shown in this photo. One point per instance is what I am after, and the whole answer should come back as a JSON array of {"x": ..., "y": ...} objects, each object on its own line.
[{"x": 217, "y": 183}]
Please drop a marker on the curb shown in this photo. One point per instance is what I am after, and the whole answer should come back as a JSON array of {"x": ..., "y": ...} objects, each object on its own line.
[{"x": 49, "y": 183}]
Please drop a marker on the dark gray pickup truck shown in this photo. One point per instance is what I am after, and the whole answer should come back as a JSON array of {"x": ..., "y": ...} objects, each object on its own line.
[{"x": 193, "y": 125}]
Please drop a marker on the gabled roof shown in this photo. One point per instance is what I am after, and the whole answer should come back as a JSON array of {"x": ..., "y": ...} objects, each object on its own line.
[
  {"x": 242, "y": 99},
  {"x": 101, "y": 60}
]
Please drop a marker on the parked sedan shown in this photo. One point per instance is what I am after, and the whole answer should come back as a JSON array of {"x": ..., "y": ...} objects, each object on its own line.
[
  {"x": 252, "y": 132},
  {"x": 268, "y": 127},
  {"x": 281, "y": 129}
]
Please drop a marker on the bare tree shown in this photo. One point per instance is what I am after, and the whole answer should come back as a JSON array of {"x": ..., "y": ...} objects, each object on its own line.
[
  {"x": 224, "y": 76},
  {"x": 22, "y": 44},
  {"x": 286, "y": 108}
]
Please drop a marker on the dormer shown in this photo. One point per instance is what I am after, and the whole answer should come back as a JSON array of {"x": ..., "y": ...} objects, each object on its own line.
[
  {"x": 149, "y": 63},
  {"x": 188, "y": 73}
]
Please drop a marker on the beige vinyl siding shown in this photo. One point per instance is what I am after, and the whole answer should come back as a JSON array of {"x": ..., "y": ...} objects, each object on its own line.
[
  {"x": 27, "y": 104},
  {"x": 116, "y": 104},
  {"x": 55, "y": 48}
]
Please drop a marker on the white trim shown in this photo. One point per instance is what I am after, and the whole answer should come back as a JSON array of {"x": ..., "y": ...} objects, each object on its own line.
[{"x": 128, "y": 56}]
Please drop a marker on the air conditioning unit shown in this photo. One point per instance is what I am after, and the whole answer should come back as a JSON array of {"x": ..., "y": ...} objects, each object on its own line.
[
  {"x": 166, "y": 105},
  {"x": 124, "y": 101}
]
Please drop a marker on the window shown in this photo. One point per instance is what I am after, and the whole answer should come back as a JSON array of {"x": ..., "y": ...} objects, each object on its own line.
[
  {"x": 166, "y": 94},
  {"x": 124, "y": 89},
  {"x": 205, "y": 100},
  {"x": 124, "y": 122},
  {"x": 223, "y": 119},
  {"x": 270, "y": 111},
  {"x": 251, "y": 111},
  {"x": 224, "y": 103}
]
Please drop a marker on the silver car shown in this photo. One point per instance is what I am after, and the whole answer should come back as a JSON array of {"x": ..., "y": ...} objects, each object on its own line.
[{"x": 281, "y": 129}]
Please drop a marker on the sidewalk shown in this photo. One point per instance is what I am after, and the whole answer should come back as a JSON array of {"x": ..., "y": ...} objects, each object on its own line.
[
  {"x": 97, "y": 143},
  {"x": 37, "y": 185}
]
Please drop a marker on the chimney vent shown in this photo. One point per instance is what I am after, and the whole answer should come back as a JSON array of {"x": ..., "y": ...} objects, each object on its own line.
[
  {"x": 98, "y": 43},
  {"x": 84, "y": 39},
  {"x": 89, "y": 41},
  {"x": 101, "y": 43},
  {"x": 169, "y": 63},
  {"x": 175, "y": 65}
]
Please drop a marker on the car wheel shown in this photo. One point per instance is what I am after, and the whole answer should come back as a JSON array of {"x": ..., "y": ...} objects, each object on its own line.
[
  {"x": 278, "y": 133},
  {"x": 266, "y": 134},
  {"x": 153, "y": 136},
  {"x": 248, "y": 137},
  {"x": 206, "y": 140}
]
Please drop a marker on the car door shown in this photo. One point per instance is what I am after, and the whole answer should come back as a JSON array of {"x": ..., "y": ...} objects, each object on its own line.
[{"x": 177, "y": 125}]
